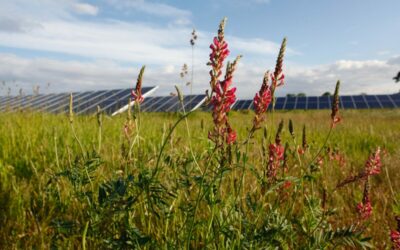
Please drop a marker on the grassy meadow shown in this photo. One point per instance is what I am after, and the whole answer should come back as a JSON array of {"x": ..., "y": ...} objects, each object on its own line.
[{"x": 110, "y": 182}]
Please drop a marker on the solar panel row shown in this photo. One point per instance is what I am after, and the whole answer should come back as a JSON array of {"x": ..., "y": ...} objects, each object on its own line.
[
  {"x": 325, "y": 102},
  {"x": 110, "y": 101},
  {"x": 172, "y": 103},
  {"x": 115, "y": 101}
]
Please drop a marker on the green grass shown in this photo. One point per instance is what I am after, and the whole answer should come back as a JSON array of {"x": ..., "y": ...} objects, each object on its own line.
[{"x": 53, "y": 192}]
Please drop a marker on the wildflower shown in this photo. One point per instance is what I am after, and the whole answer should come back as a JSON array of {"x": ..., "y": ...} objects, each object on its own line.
[
  {"x": 395, "y": 235},
  {"x": 395, "y": 238},
  {"x": 364, "y": 208},
  {"x": 372, "y": 167},
  {"x": 287, "y": 184},
  {"x": 222, "y": 96},
  {"x": 137, "y": 93},
  {"x": 320, "y": 161},
  {"x": 262, "y": 99},
  {"x": 335, "y": 106},
  {"x": 278, "y": 77},
  {"x": 373, "y": 164},
  {"x": 276, "y": 154}
]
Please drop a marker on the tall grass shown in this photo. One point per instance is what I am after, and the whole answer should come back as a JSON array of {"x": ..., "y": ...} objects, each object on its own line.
[{"x": 44, "y": 188}]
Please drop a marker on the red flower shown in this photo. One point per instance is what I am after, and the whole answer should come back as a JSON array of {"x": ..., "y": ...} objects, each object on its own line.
[
  {"x": 276, "y": 155},
  {"x": 364, "y": 209},
  {"x": 287, "y": 184},
  {"x": 395, "y": 238},
  {"x": 223, "y": 96},
  {"x": 373, "y": 164},
  {"x": 231, "y": 136}
]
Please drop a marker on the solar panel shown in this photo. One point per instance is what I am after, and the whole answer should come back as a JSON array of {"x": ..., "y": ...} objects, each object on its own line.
[
  {"x": 62, "y": 102},
  {"x": 386, "y": 101},
  {"x": 171, "y": 103},
  {"x": 312, "y": 102},
  {"x": 238, "y": 105},
  {"x": 110, "y": 101},
  {"x": 360, "y": 102},
  {"x": 396, "y": 99},
  {"x": 116, "y": 101},
  {"x": 38, "y": 102},
  {"x": 301, "y": 102},
  {"x": 372, "y": 101},
  {"x": 279, "y": 103},
  {"x": 107, "y": 99},
  {"x": 347, "y": 102},
  {"x": 149, "y": 102},
  {"x": 5, "y": 99},
  {"x": 10, "y": 105},
  {"x": 177, "y": 106},
  {"x": 324, "y": 102}
]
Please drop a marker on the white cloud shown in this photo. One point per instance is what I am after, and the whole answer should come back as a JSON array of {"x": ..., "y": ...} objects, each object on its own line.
[
  {"x": 158, "y": 9},
  {"x": 109, "y": 45},
  {"x": 85, "y": 9},
  {"x": 372, "y": 77}
]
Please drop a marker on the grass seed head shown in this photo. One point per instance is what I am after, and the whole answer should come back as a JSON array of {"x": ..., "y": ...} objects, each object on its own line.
[
  {"x": 335, "y": 106},
  {"x": 137, "y": 93},
  {"x": 71, "y": 109}
]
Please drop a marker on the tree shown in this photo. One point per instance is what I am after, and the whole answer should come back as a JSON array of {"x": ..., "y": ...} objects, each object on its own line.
[{"x": 327, "y": 94}]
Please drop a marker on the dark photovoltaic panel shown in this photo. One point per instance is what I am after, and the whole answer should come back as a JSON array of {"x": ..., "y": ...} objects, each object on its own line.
[
  {"x": 396, "y": 99},
  {"x": 110, "y": 101},
  {"x": 280, "y": 102},
  {"x": 325, "y": 102},
  {"x": 171, "y": 103},
  {"x": 360, "y": 102},
  {"x": 301, "y": 103},
  {"x": 312, "y": 102},
  {"x": 116, "y": 101},
  {"x": 290, "y": 103}
]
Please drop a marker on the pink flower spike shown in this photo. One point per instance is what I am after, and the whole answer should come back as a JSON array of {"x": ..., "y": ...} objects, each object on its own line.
[{"x": 395, "y": 238}]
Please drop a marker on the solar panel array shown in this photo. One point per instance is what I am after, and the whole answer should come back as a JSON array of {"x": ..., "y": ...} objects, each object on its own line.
[
  {"x": 325, "y": 102},
  {"x": 115, "y": 101},
  {"x": 110, "y": 101},
  {"x": 171, "y": 103}
]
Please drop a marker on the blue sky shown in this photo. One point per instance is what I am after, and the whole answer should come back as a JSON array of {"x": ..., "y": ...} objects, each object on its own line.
[{"x": 87, "y": 44}]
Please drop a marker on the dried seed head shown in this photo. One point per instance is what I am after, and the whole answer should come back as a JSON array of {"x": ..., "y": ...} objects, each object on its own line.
[
  {"x": 137, "y": 93},
  {"x": 265, "y": 134},
  {"x": 304, "y": 142},
  {"x": 291, "y": 130},
  {"x": 278, "y": 77},
  {"x": 180, "y": 96},
  {"x": 364, "y": 208},
  {"x": 278, "y": 133},
  {"x": 335, "y": 106},
  {"x": 99, "y": 116},
  {"x": 71, "y": 109},
  {"x": 221, "y": 30}
]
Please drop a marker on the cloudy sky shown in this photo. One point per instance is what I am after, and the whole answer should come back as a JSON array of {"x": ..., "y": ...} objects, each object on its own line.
[{"x": 70, "y": 45}]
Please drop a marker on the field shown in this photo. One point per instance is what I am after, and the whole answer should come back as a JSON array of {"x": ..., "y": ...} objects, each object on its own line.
[{"x": 100, "y": 182}]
